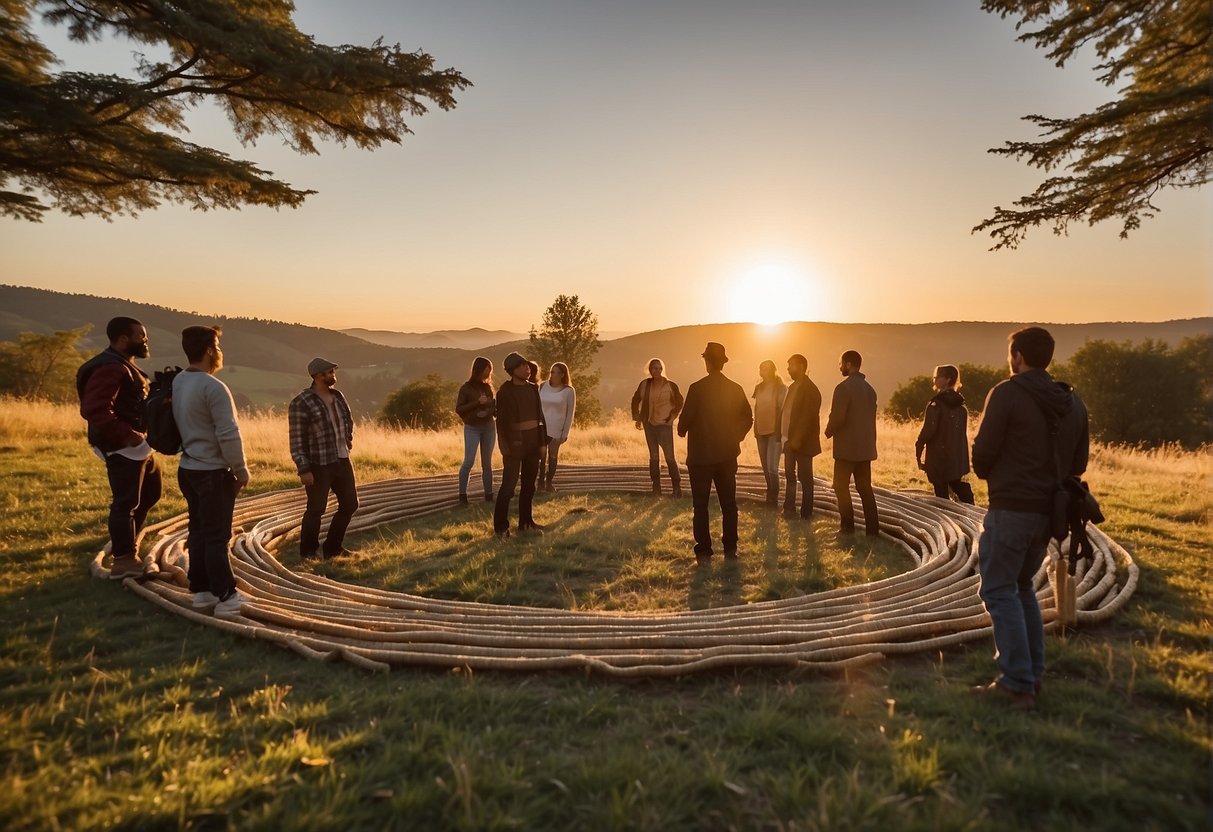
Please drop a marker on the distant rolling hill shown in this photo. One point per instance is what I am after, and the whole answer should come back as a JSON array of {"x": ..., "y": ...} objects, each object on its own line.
[
  {"x": 464, "y": 339},
  {"x": 267, "y": 358}
]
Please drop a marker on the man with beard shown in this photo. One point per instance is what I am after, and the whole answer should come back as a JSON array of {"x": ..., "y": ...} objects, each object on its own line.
[
  {"x": 321, "y": 436},
  {"x": 112, "y": 391},
  {"x": 852, "y": 426}
]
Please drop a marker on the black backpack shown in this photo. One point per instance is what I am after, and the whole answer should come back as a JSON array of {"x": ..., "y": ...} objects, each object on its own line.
[{"x": 162, "y": 433}]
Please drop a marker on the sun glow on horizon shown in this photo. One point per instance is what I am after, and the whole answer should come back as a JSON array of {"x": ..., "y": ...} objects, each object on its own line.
[{"x": 770, "y": 292}]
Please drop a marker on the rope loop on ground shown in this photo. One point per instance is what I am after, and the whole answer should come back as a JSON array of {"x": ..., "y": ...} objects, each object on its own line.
[{"x": 933, "y": 604}]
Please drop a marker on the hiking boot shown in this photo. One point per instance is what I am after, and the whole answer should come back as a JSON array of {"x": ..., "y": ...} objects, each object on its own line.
[
  {"x": 1013, "y": 699},
  {"x": 127, "y": 566},
  {"x": 205, "y": 601},
  {"x": 232, "y": 604}
]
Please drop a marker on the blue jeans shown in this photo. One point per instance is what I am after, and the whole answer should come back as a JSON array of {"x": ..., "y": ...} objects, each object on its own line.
[
  {"x": 768, "y": 454},
  {"x": 484, "y": 436},
  {"x": 1011, "y": 549}
]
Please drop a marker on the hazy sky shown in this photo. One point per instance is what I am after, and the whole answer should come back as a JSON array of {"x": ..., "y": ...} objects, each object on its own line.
[{"x": 670, "y": 163}]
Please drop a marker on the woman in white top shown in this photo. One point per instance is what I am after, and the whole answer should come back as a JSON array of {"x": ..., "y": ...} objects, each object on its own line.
[
  {"x": 559, "y": 401},
  {"x": 768, "y": 411}
]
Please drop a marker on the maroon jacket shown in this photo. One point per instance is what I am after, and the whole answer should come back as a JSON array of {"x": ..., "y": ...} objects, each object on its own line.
[{"x": 112, "y": 391}]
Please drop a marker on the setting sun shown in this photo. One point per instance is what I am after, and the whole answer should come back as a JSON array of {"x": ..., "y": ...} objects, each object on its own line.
[{"x": 768, "y": 293}]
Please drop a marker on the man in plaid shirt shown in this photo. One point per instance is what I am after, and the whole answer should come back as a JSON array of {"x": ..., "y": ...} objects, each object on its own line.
[{"x": 322, "y": 434}]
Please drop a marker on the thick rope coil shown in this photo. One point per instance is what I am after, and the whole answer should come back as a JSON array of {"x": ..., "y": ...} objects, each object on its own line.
[{"x": 932, "y": 605}]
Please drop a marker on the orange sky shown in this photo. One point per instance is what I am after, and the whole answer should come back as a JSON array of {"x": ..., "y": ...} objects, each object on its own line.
[{"x": 671, "y": 163}]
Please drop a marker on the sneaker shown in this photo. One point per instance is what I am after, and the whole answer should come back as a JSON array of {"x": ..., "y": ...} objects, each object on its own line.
[
  {"x": 127, "y": 566},
  {"x": 232, "y": 604},
  {"x": 1013, "y": 699},
  {"x": 204, "y": 601}
]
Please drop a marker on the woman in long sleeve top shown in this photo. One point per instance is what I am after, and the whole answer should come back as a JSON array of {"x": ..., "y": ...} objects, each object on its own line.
[
  {"x": 559, "y": 400},
  {"x": 476, "y": 406}
]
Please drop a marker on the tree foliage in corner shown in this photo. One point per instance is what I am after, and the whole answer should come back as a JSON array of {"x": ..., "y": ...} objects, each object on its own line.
[
  {"x": 427, "y": 403},
  {"x": 570, "y": 334},
  {"x": 1157, "y": 133},
  {"x": 103, "y": 144}
]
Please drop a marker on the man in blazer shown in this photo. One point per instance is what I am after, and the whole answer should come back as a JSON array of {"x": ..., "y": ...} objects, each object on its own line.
[
  {"x": 801, "y": 433},
  {"x": 852, "y": 426}
]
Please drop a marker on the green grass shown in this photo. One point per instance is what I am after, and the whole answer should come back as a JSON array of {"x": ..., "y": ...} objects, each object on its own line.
[{"x": 115, "y": 714}]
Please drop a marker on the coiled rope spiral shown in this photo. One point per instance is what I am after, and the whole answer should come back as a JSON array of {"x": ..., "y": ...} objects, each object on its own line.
[{"x": 932, "y": 605}]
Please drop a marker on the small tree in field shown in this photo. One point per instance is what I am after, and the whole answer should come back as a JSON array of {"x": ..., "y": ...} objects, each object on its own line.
[
  {"x": 42, "y": 366},
  {"x": 570, "y": 334},
  {"x": 910, "y": 399},
  {"x": 428, "y": 403}
]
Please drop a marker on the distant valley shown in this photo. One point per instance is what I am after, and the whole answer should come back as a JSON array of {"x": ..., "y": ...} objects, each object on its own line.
[{"x": 267, "y": 358}]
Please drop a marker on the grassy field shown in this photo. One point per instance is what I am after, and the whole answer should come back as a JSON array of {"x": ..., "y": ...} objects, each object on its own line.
[{"x": 115, "y": 714}]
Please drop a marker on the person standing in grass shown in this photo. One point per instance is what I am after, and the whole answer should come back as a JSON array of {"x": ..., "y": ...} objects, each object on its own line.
[
  {"x": 852, "y": 425},
  {"x": 212, "y": 470},
  {"x": 112, "y": 391},
  {"x": 321, "y": 438},
  {"x": 768, "y": 399},
  {"x": 559, "y": 400},
  {"x": 476, "y": 405},
  {"x": 1033, "y": 434},
  {"x": 801, "y": 434},
  {"x": 655, "y": 405},
  {"x": 716, "y": 417},
  {"x": 945, "y": 437},
  {"x": 521, "y": 436}
]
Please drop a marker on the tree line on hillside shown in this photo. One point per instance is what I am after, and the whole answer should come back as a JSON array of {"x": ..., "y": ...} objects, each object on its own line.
[
  {"x": 1137, "y": 394},
  {"x": 1145, "y": 393}
]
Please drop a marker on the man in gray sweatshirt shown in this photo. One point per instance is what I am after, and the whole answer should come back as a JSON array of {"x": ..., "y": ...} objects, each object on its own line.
[{"x": 212, "y": 470}]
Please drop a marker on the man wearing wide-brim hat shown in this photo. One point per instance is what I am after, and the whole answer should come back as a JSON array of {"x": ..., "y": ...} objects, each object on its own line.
[
  {"x": 321, "y": 436},
  {"x": 715, "y": 417}
]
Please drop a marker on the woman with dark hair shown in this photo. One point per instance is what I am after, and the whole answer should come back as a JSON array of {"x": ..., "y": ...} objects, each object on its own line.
[
  {"x": 476, "y": 407},
  {"x": 945, "y": 437},
  {"x": 559, "y": 401},
  {"x": 768, "y": 418}
]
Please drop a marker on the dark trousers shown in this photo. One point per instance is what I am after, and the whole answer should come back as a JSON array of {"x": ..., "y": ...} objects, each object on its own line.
[
  {"x": 844, "y": 471},
  {"x": 337, "y": 477},
  {"x": 798, "y": 467},
  {"x": 962, "y": 490},
  {"x": 661, "y": 437},
  {"x": 549, "y": 458},
  {"x": 211, "y": 499},
  {"x": 723, "y": 475},
  {"x": 523, "y": 465},
  {"x": 136, "y": 486}
]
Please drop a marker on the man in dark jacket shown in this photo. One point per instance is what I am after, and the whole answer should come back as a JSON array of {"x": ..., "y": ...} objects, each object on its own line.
[
  {"x": 852, "y": 425},
  {"x": 112, "y": 391},
  {"x": 521, "y": 435},
  {"x": 801, "y": 433},
  {"x": 1033, "y": 433},
  {"x": 715, "y": 417},
  {"x": 945, "y": 437},
  {"x": 321, "y": 430},
  {"x": 655, "y": 405}
]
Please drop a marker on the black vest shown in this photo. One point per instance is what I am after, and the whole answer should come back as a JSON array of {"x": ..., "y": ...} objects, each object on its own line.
[{"x": 128, "y": 405}]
